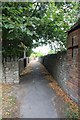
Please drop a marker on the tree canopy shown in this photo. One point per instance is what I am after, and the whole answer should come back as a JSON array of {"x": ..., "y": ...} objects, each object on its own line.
[{"x": 34, "y": 24}]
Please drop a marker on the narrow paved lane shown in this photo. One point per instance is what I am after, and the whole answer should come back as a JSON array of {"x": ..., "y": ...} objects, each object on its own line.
[{"x": 35, "y": 96}]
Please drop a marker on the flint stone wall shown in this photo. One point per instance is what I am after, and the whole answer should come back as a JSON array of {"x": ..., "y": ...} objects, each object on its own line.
[
  {"x": 10, "y": 71},
  {"x": 59, "y": 67},
  {"x": 56, "y": 64}
]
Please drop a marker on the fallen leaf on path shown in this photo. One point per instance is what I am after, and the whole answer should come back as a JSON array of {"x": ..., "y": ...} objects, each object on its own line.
[
  {"x": 74, "y": 107},
  {"x": 27, "y": 70},
  {"x": 10, "y": 108}
]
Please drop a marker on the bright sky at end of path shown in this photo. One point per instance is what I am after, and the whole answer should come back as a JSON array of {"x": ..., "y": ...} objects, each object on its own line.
[{"x": 43, "y": 49}]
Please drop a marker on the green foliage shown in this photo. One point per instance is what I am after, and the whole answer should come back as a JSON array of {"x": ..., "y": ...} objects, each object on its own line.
[
  {"x": 57, "y": 20},
  {"x": 70, "y": 113},
  {"x": 19, "y": 22},
  {"x": 42, "y": 22},
  {"x": 37, "y": 54},
  {"x": 51, "y": 52}
]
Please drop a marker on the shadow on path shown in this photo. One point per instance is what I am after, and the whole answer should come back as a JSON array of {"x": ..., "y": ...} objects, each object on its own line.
[{"x": 37, "y": 99}]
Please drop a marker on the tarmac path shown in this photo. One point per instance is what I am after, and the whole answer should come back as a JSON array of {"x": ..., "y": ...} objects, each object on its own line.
[{"x": 37, "y": 99}]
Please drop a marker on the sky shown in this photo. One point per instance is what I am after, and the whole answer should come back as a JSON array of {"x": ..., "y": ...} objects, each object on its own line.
[
  {"x": 46, "y": 48},
  {"x": 43, "y": 49}
]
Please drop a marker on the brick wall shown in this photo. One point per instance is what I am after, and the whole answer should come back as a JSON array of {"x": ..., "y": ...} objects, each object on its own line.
[{"x": 73, "y": 54}]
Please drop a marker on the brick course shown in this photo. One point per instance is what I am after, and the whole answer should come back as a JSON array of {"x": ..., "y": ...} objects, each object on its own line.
[{"x": 73, "y": 54}]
